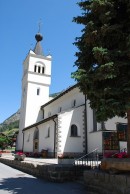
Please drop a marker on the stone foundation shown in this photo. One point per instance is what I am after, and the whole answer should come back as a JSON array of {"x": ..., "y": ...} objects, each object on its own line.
[
  {"x": 53, "y": 172},
  {"x": 104, "y": 183},
  {"x": 116, "y": 165}
]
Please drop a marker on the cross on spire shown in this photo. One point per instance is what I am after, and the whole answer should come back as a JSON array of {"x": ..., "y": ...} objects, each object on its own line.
[{"x": 39, "y": 25}]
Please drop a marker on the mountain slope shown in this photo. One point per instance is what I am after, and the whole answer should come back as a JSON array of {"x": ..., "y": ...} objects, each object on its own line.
[{"x": 11, "y": 122}]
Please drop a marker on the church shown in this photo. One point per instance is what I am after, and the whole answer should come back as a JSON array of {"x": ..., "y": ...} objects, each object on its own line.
[{"x": 62, "y": 123}]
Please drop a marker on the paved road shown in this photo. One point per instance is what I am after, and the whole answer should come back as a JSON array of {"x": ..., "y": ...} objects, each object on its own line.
[{"x": 13, "y": 181}]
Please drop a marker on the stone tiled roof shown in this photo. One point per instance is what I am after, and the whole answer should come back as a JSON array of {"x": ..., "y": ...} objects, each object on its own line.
[{"x": 38, "y": 49}]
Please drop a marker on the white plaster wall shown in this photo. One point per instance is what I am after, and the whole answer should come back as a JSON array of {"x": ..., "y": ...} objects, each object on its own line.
[
  {"x": 30, "y": 101},
  {"x": 89, "y": 118},
  {"x": 39, "y": 79},
  {"x": 110, "y": 124},
  {"x": 19, "y": 143},
  {"x": 44, "y": 141},
  {"x": 65, "y": 102},
  {"x": 95, "y": 141},
  {"x": 34, "y": 102},
  {"x": 66, "y": 119},
  {"x": 95, "y": 138},
  {"x": 25, "y": 65},
  {"x": 28, "y": 140},
  {"x": 35, "y": 59}
]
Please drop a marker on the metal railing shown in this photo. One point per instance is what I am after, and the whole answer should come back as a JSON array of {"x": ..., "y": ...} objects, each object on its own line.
[{"x": 90, "y": 160}]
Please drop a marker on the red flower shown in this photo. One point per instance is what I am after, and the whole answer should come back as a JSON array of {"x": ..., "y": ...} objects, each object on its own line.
[
  {"x": 121, "y": 155},
  {"x": 19, "y": 153}
]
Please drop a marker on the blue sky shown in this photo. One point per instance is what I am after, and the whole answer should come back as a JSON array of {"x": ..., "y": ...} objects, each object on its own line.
[{"x": 19, "y": 23}]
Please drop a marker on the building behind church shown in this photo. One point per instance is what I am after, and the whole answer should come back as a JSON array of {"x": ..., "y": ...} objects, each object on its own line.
[{"x": 63, "y": 124}]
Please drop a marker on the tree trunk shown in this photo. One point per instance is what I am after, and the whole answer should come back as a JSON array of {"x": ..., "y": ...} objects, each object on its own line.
[{"x": 128, "y": 132}]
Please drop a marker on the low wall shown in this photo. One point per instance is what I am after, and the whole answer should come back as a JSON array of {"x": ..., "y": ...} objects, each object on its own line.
[
  {"x": 116, "y": 164},
  {"x": 105, "y": 183},
  {"x": 53, "y": 172}
]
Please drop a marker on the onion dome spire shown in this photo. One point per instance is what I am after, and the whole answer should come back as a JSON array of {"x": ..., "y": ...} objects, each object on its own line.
[
  {"x": 38, "y": 37},
  {"x": 38, "y": 48}
]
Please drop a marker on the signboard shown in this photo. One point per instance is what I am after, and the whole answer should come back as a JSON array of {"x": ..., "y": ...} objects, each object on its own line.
[
  {"x": 110, "y": 140},
  {"x": 122, "y": 131}
]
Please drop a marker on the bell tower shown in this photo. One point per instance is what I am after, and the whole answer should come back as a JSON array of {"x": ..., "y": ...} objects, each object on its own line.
[{"x": 36, "y": 81}]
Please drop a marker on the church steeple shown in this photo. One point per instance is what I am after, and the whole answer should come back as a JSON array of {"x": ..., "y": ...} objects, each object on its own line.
[
  {"x": 38, "y": 48},
  {"x": 35, "y": 87}
]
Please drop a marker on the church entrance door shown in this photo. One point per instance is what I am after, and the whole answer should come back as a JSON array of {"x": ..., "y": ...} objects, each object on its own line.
[
  {"x": 35, "y": 146},
  {"x": 36, "y": 141}
]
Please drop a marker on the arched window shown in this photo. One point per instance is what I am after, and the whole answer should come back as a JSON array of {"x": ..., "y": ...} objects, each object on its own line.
[
  {"x": 42, "y": 70},
  {"x": 73, "y": 103},
  {"x": 48, "y": 132},
  {"x": 36, "y": 134},
  {"x": 39, "y": 69},
  {"x": 74, "y": 131}
]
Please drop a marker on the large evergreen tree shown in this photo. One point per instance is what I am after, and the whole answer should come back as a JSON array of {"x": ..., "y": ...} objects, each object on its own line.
[{"x": 103, "y": 57}]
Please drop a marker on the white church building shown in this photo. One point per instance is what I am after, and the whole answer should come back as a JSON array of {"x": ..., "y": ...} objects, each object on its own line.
[{"x": 62, "y": 123}]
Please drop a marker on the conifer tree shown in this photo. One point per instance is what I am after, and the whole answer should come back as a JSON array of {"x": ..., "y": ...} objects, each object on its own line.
[{"x": 103, "y": 57}]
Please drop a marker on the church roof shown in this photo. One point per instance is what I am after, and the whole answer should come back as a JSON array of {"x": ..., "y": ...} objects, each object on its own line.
[
  {"x": 61, "y": 94},
  {"x": 40, "y": 122},
  {"x": 38, "y": 49},
  {"x": 55, "y": 94}
]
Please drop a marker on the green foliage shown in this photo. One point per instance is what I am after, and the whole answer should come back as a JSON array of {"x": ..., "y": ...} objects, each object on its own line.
[
  {"x": 103, "y": 57},
  {"x": 11, "y": 132},
  {"x": 12, "y": 125},
  {"x": 4, "y": 141}
]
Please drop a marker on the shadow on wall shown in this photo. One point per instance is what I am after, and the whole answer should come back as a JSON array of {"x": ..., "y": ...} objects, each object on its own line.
[
  {"x": 73, "y": 146},
  {"x": 40, "y": 116}
]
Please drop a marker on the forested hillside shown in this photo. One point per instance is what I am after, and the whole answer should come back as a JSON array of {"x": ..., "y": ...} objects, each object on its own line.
[{"x": 10, "y": 123}]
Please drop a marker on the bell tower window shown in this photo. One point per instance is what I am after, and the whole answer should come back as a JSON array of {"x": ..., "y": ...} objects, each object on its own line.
[
  {"x": 38, "y": 91},
  {"x": 35, "y": 68},
  {"x": 42, "y": 70},
  {"x": 39, "y": 69}
]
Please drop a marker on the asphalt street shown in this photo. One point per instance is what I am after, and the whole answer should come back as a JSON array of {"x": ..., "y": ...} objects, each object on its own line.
[{"x": 13, "y": 181}]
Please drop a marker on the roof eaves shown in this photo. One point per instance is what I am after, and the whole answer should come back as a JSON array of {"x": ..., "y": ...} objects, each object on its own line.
[
  {"x": 61, "y": 94},
  {"x": 40, "y": 122}
]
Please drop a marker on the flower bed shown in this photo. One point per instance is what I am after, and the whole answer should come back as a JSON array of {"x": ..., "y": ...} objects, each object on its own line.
[
  {"x": 33, "y": 155},
  {"x": 121, "y": 155},
  {"x": 116, "y": 162},
  {"x": 117, "y": 155},
  {"x": 65, "y": 159},
  {"x": 19, "y": 156}
]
